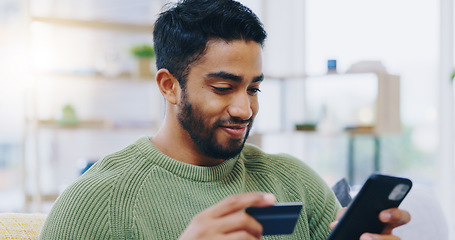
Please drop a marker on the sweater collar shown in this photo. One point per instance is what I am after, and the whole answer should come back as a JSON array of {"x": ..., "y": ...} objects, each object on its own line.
[{"x": 185, "y": 170}]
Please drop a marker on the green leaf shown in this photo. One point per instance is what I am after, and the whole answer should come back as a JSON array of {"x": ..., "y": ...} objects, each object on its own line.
[{"x": 144, "y": 50}]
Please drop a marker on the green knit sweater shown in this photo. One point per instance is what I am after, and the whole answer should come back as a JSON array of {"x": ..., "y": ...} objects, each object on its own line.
[{"x": 140, "y": 193}]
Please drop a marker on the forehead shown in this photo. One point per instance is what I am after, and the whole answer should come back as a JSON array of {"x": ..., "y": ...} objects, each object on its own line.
[{"x": 237, "y": 57}]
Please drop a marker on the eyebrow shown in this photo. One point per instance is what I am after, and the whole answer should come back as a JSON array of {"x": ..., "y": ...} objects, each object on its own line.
[
  {"x": 259, "y": 78},
  {"x": 232, "y": 77}
]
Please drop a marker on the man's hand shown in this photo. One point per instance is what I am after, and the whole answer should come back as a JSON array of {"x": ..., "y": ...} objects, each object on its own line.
[
  {"x": 227, "y": 220},
  {"x": 394, "y": 217}
]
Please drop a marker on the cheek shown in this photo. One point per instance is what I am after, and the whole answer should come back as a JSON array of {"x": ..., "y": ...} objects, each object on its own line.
[
  {"x": 211, "y": 104},
  {"x": 254, "y": 106},
  {"x": 210, "y": 109}
]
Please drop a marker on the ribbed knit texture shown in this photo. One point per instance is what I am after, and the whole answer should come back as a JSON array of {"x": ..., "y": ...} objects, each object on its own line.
[{"x": 140, "y": 193}]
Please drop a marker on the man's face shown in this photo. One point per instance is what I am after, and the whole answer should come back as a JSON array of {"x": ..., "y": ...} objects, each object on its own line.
[{"x": 219, "y": 102}]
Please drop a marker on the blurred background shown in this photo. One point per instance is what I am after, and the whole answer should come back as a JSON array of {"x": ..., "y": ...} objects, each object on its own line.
[{"x": 352, "y": 87}]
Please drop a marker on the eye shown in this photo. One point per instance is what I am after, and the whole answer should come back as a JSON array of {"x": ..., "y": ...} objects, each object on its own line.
[
  {"x": 254, "y": 91},
  {"x": 222, "y": 90}
]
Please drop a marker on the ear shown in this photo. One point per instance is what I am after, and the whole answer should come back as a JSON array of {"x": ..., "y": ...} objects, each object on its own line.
[{"x": 168, "y": 85}]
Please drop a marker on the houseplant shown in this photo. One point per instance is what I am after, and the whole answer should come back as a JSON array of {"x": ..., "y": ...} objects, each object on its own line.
[{"x": 144, "y": 54}]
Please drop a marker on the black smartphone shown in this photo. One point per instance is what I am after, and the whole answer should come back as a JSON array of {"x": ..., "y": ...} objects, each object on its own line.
[
  {"x": 280, "y": 218},
  {"x": 379, "y": 192}
]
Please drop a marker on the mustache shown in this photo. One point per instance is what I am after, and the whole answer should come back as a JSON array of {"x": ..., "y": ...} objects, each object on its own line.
[{"x": 234, "y": 120}]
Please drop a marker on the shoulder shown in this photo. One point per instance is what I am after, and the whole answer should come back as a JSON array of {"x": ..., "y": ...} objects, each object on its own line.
[
  {"x": 254, "y": 157},
  {"x": 89, "y": 205},
  {"x": 111, "y": 175}
]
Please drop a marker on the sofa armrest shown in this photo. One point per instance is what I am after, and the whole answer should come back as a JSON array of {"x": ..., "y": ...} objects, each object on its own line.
[{"x": 21, "y": 225}]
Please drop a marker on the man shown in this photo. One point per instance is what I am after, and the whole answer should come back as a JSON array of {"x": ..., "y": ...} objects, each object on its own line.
[{"x": 196, "y": 176}]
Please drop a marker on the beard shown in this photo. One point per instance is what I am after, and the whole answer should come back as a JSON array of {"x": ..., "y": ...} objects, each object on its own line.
[{"x": 203, "y": 133}]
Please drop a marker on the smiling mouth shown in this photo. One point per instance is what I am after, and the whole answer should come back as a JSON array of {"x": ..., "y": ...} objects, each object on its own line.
[
  {"x": 235, "y": 131},
  {"x": 242, "y": 126},
  {"x": 236, "y": 127}
]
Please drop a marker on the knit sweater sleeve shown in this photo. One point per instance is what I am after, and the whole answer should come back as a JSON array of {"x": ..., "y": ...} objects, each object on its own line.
[
  {"x": 80, "y": 212},
  {"x": 85, "y": 209}
]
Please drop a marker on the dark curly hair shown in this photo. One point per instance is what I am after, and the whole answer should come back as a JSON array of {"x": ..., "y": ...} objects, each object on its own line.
[{"x": 181, "y": 33}]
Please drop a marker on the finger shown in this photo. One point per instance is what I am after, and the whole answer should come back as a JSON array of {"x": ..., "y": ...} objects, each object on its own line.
[
  {"x": 239, "y": 202},
  {"x": 340, "y": 213},
  {"x": 370, "y": 236},
  {"x": 240, "y": 222},
  {"x": 240, "y": 236},
  {"x": 394, "y": 217},
  {"x": 333, "y": 225}
]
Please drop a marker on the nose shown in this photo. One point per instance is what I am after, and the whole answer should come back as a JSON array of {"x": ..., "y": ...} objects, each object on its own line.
[{"x": 240, "y": 106}]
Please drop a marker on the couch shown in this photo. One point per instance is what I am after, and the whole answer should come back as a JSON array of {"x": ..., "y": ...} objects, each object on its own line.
[{"x": 20, "y": 225}]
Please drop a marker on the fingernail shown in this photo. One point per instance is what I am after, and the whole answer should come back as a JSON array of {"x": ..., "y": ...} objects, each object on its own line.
[
  {"x": 366, "y": 237},
  {"x": 386, "y": 216},
  {"x": 269, "y": 197}
]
